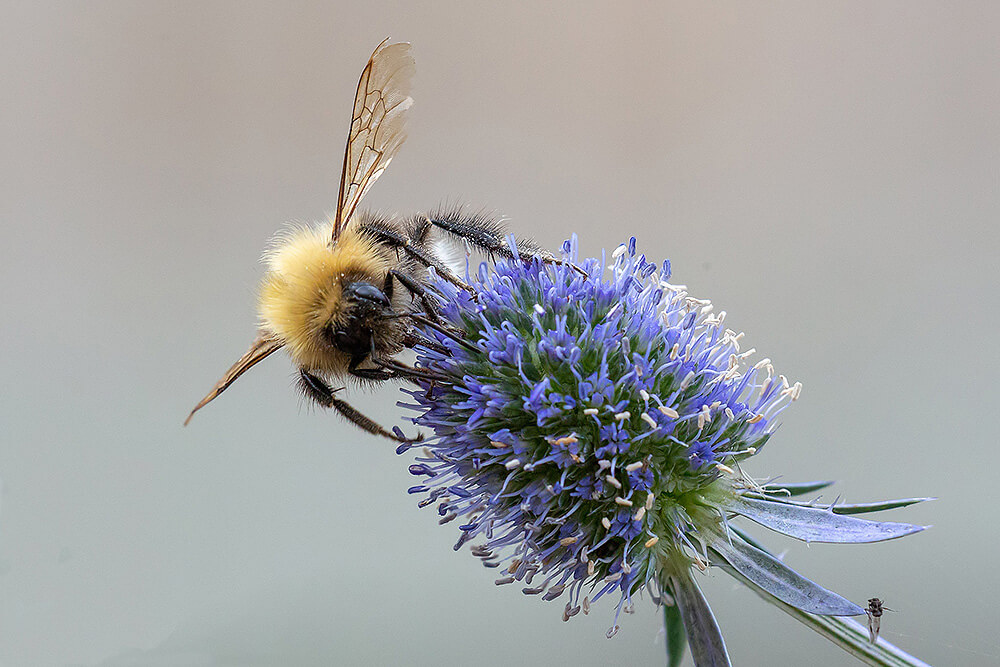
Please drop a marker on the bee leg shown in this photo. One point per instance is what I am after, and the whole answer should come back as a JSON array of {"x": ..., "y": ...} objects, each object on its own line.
[
  {"x": 415, "y": 289},
  {"x": 319, "y": 391},
  {"x": 443, "y": 330},
  {"x": 411, "y": 339},
  {"x": 489, "y": 236},
  {"x": 403, "y": 370},
  {"x": 400, "y": 242},
  {"x": 373, "y": 374}
]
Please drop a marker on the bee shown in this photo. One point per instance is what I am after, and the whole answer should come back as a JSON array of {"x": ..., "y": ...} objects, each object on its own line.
[
  {"x": 874, "y": 611},
  {"x": 342, "y": 298}
]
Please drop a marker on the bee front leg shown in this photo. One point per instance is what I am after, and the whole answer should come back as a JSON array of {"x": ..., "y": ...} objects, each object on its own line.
[
  {"x": 415, "y": 289},
  {"x": 403, "y": 370},
  {"x": 320, "y": 392}
]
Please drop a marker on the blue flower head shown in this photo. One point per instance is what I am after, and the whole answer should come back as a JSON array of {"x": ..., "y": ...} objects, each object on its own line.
[{"x": 588, "y": 421}]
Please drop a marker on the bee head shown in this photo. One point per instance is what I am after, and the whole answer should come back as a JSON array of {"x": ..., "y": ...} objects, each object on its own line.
[
  {"x": 364, "y": 299},
  {"x": 362, "y": 305}
]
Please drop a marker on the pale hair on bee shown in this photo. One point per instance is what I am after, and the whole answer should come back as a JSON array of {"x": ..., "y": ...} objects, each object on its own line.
[{"x": 342, "y": 298}]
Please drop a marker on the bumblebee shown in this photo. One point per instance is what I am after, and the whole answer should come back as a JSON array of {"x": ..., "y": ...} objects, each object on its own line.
[{"x": 342, "y": 298}]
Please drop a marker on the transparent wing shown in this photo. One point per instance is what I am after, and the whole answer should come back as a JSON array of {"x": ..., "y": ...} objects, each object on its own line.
[
  {"x": 262, "y": 347},
  {"x": 377, "y": 125}
]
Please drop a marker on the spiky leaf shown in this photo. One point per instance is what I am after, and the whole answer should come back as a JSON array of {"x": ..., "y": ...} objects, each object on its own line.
[
  {"x": 798, "y": 489},
  {"x": 812, "y": 524},
  {"x": 784, "y": 583}
]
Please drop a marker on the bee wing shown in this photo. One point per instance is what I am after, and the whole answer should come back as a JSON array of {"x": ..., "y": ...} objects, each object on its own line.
[
  {"x": 377, "y": 130},
  {"x": 262, "y": 347}
]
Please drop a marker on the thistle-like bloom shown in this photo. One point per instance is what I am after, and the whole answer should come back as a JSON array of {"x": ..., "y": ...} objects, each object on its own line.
[{"x": 587, "y": 429}]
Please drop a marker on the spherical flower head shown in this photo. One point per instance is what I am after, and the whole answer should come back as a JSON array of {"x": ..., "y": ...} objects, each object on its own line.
[{"x": 586, "y": 421}]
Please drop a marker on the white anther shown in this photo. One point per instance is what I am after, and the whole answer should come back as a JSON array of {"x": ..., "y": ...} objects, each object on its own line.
[
  {"x": 591, "y": 412},
  {"x": 704, "y": 416},
  {"x": 643, "y": 394},
  {"x": 674, "y": 351},
  {"x": 649, "y": 420},
  {"x": 539, "y": 309},
  {"x": 639, "y": 513},
  {"x": 619, "y": 251},
  {"x": 566, "y": 541},
  {"x": 650, "y": 499},
  {"x": 687, "y": 379},
  {"x": 632, "y": 467},
  {"x": 603, "y": 464},
  {"x": 606, "y": 522},
  {"x": 623, "y": 501},
  {"x": 513, "y": 463},
  {"x": 613, "y": 481},
  {"x": 651, "y": 542},
  {"x": 670, "y": 412},
  {"x": 622, "y": 416},
  {"x": 724, "y": 468}
]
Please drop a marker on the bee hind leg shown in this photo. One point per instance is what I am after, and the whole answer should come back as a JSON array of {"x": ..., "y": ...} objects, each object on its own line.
[
  {"x": 402, "y": 243},
  {"x": 489, "y": 236},
  {"x": 320, "y": 392}
]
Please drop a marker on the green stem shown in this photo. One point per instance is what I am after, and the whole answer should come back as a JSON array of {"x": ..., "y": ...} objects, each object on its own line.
[
  {"x": 845, "y": 632},
  {"x": 673, "y": 626}
]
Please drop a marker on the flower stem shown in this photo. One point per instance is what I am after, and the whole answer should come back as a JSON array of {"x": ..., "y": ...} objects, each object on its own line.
[
  {"x": 676, "y": 638},
  {"x": 845, "y": 632}
]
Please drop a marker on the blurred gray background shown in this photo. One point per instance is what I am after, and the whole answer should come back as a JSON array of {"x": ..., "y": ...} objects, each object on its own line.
[{"x": 825, "y": 172}]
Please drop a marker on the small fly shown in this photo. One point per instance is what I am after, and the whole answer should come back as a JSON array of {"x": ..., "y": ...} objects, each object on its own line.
[{"x": 874, "y": 611}]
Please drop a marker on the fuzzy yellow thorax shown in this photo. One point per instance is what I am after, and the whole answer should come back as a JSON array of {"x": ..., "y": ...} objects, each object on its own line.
[{"x": 301, "y": 293}]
